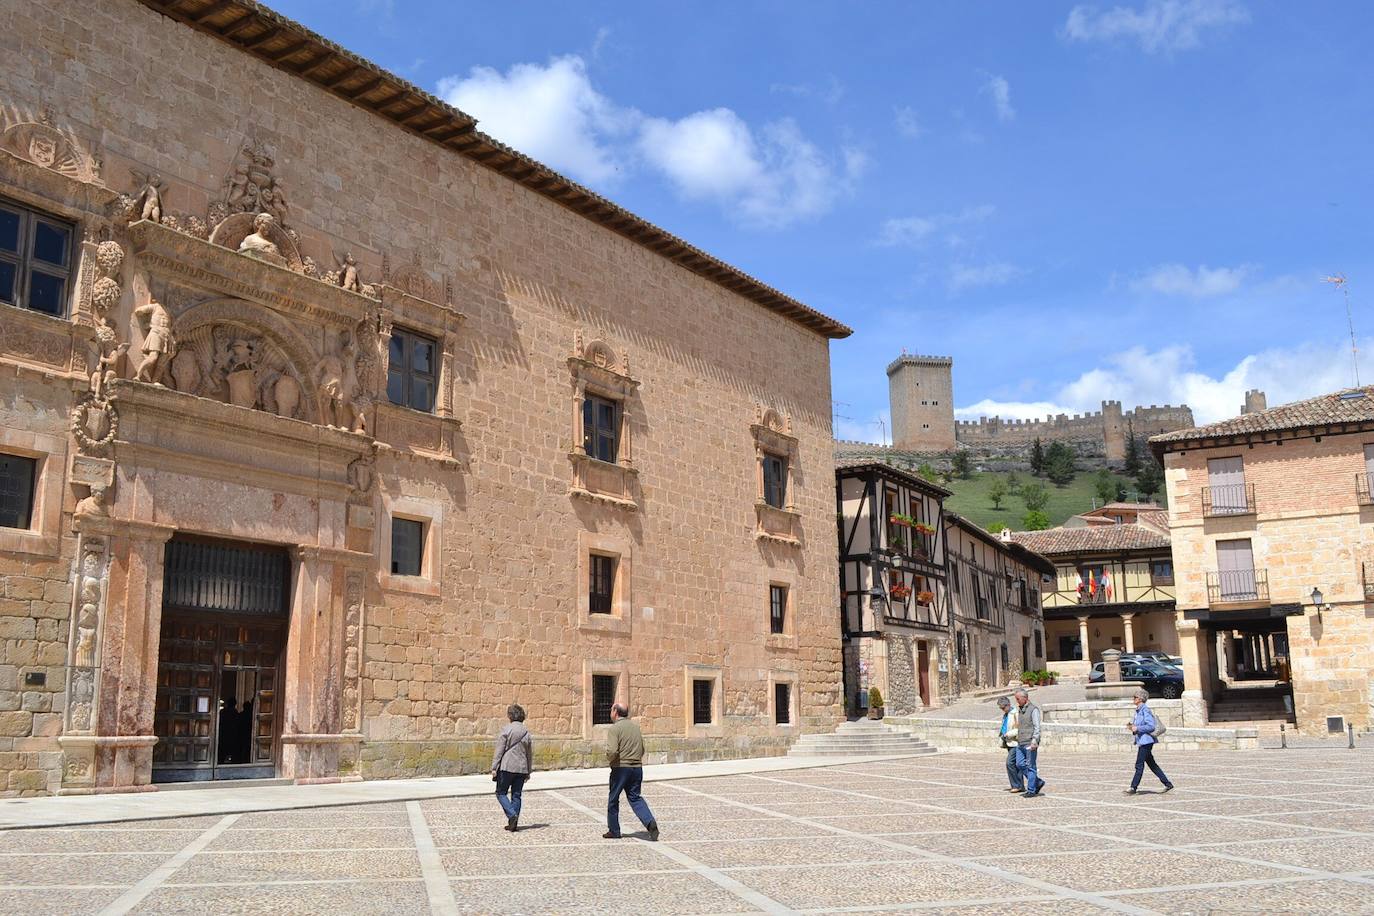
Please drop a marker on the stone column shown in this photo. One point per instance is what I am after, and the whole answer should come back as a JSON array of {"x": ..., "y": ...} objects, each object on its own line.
[
  {"x": 1197, "y": 684},
  {"x": 1083, "y": 640},
  {"x": 1130, "y": 634}
]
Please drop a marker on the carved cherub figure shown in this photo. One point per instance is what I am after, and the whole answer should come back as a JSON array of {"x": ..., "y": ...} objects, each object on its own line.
[
  {"x": 148, "y": 201},
  {"x": 158, "y": 344},
  {"x": 108, "y": 354},
  {"x": 348, "y": 273},
  {"x": 95, "y": 503},
  {"x": 337, "y": 380},
  {"x": 258, "y": 242}
]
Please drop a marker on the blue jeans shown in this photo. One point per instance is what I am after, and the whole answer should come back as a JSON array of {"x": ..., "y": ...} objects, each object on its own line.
[
  {"x": 1025, "y": 762},
  {"x": 627, "y": 780},
  {"x": 512, "y": 784},
  {"x": 1014, "y": 770},
  {"x": 1145, "y": 756}
]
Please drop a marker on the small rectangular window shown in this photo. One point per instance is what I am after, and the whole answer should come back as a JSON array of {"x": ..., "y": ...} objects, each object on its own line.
[
  {"x": 1162, "y": 572},
  {"x": 411, "y": 379},
  {"x": 777, "y": 608},
  {"x": 407, "y": 546},
  {"x": 603, "y": 696},
  {"x": 16, "y": 491},
  {"x": 1039, "y": 644},
  {"x": 601, "y": 588},
  {"x": 775, "y": 480},
  {"x": 701, "y": 702},
  {"x": 601, "y": 428},
  {"x": 35, "y": 260},
  {"x": 782, "y": 704}
]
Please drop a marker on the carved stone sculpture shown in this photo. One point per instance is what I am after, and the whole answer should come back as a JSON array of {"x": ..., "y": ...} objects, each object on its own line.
[
  {"x": 148, "y": 200},
  {"x": 337, "y": 380},
  {"x": 97, "y": 503},
  {"x": 258, "y": 244},
  {"x": 252, "y": 188},
  {"x": 158, "y": 344},
  {"x": 348, "y": 273},
  {"x": 287, "y": 392},
  {"x": 240, "y": 373}
]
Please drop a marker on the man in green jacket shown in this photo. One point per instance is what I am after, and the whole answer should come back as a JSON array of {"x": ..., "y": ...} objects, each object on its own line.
[{"x": 625, "y": 753}]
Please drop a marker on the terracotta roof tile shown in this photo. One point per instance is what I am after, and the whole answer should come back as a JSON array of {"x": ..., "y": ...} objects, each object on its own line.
[
  {"x": 1094, "y": 539},
  {"x": 1351, "y": 405}
]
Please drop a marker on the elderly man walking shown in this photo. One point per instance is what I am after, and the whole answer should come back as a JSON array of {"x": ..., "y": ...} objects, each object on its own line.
[
  {"x": 1028, "y": 742},
  {"x": 625, "y": 753}
]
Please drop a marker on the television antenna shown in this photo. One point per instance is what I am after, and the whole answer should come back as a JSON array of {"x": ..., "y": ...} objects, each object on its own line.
[{"x": 1339, "y": 282}]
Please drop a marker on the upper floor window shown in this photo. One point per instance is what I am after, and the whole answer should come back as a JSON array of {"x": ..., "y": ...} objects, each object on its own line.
[
  {"x": 411, "y": 378},
  {"x": 775, "y": 480},
  {"x": 601, "y": 428},
  {"x": 601, "y": 587},
  {"x": 1162, "y": 572},
  {"x": 777, "y": 608},
  {"x": 16, "y": 491},
  {"x": 35, "y": 260}
]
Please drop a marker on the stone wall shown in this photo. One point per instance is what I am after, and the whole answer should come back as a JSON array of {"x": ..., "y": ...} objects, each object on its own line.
[
  {"x": 1091, "y": 435},
  {"x": 526, "y": 298}
]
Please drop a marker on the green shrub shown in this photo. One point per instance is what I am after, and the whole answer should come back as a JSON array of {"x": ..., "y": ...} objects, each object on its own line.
[{"x": 875, "y": 697}]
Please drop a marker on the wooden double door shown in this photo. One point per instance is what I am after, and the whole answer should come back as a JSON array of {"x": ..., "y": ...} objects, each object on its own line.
[{"x": 218, "y": 698}]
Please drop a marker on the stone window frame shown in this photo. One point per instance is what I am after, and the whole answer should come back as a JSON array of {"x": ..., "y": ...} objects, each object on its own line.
[
  {"x": 716, "y": 727},
  {"x": 431, "y": 513},
  {"x": 772, "y": 435},
  {"x": 792, "y": 679},
  {"x": 43, "y": 537},
  {"x": 787, "y": 639},
  {"x": 596, "y": 369},
  {"x": 442, "y": 324},
  {"x": 409, "y": 373},
  {"x": 619, "y": 620},
  {"x": 617, "y": 668}
]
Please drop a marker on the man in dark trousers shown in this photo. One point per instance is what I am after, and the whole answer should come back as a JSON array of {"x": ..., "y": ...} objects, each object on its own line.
[{"x": 625, "y": 753}]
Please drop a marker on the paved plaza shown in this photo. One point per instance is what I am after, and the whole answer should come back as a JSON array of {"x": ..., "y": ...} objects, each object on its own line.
[{"x": 1259, "y": 832}]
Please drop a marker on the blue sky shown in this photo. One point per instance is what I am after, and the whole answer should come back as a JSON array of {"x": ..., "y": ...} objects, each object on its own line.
[{"x": 1131, "y": 200}]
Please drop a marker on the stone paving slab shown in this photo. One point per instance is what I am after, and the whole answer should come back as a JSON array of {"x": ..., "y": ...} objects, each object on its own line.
[{"x": 935, "y": 834}]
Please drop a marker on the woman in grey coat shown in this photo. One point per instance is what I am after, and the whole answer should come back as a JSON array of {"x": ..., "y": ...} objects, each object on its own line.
[{"x": 511, "y": 764}]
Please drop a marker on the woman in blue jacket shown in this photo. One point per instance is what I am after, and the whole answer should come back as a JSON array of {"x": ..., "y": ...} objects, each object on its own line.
[{"x": 1143, "y": 726}]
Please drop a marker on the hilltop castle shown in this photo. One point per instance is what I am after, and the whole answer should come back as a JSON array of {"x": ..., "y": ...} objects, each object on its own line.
[{"x": 921, "y": 394}]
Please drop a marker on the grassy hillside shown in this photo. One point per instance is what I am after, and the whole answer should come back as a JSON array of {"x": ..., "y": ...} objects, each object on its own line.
[{"x": 971, "y": 499}]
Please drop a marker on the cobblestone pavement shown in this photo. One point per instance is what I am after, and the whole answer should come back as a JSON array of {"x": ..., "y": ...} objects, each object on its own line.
[{"x": 1246, "y": 832}]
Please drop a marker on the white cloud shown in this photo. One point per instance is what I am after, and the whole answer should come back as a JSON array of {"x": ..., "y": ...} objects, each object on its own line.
[
  {"x": 904, "y": 116},
  {"x": 549, "y": 112},
  {"x": 969, "y": 276},
  {"x": 913, "y": 231},
  {"x": 771, "y": 175},
  {"x": 1160, "y": 25},
  {"x": 1169, "y": 376},
  {"x": 1000, "y": 90},
  {"x": 1201, "y": 283}
]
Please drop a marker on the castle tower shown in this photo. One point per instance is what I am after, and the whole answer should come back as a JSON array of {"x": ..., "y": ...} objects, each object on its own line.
[
  {"x": 921, "y": 395},
  {"x": 1255, "y": 401},
  {"x": 1113, "y": 431}
]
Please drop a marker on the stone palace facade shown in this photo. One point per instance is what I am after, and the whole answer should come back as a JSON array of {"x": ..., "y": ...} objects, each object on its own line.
[{"x": 329, "y": 426}]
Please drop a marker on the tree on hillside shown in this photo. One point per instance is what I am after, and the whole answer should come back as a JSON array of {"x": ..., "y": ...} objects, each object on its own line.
[
  {"x": 1035, "y": 520},
  {"x": 1150, "y": 480},
  {"x": 1013, "y": 482},
  {"x": 963, "y": 465},
  {"x": 1037, "y": 457},
  {"x": 997, "y": 491},
  {"x": 1035, "y": 496},
  {"x": 1059, "y": 466},
  {"x": 928, "y": 472},
  {"x": 1104, "y": 484},
  {"x": 1132, "y": 452}
]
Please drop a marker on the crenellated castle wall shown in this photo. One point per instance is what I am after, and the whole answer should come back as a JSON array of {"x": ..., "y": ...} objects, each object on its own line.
[{"x": 1093, "y": 434}]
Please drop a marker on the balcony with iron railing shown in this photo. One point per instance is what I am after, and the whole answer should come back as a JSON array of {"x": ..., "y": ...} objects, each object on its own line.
[
  {"x": 1237, "y": 588},
  {"x": 1228, "y": 500},
  {"x": 1362, "y": 493}
]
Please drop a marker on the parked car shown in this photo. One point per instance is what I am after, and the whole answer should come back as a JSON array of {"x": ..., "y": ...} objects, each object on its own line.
[
  {"x": 1161, "y": 680},
  {"x": 1162, "y": 658}
]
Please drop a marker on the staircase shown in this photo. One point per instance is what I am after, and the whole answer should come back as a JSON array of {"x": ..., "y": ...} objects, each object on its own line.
[
  {"x": 1251, "y": 706},
  {"x": 860, "y": 738}
]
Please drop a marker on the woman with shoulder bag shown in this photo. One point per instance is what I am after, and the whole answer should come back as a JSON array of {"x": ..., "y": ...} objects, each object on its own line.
[
  {"x": 1007, "y": 736},
  {"x": 511, "y": 764},
  {"x": 1146, "y": 729}
]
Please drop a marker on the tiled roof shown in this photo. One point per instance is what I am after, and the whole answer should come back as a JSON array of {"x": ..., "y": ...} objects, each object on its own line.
[
  {"x": 909, "y": 474},
  {"x": 1351, "y": 405},
  {"x": 1021, "y": 552},
  {"x": 1095, "y": 539}
]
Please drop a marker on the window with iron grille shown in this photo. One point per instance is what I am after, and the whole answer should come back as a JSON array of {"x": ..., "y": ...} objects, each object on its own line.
[
  {"x": 1006, "y": 657},
  {"x": 1039, "y": 644},
  {"x": 601, "y": 588},
  {"x": 411, "y": 377},
  {"x": 775, "y": 480},
  {"x": 960, "y": 648},
  {"x": 601, "y": 428},
  {"x": 16, "y": 491},
  {"x": 206, "y": 575},
  {"x": 407, "y": 546},
  {"x": 777, "y": 608},
  {"x": 782, "y": 704},
  {"x": 603, "y": 695},
  {"x": 35, "y": 259},
  {"x": 701, "y": 702}
]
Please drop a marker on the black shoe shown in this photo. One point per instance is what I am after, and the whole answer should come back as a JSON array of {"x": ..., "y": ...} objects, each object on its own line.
[
  {"x": 512, "y": 824},
  {"x": 653, "y": 831},
  {"x": 1168, "y": 788},
  {"x": 610, "y": 836},
  {"x": 1040, "y": 789},
  {"x": 1031, "y": 795}
]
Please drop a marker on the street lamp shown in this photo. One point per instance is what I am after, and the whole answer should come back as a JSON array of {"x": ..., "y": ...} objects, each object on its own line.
[{"x": 1317, "y": 603}]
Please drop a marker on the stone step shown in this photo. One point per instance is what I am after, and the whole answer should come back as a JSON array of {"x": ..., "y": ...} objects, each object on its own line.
[
  {"x": 832, "y": 752},
  {"x": 857, "y": 746}
]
